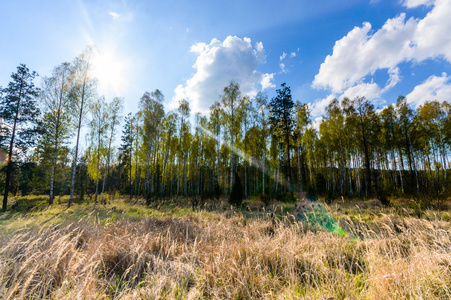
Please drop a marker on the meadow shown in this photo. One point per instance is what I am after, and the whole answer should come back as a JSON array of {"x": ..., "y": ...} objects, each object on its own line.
[{"x": 127, "y": 250}]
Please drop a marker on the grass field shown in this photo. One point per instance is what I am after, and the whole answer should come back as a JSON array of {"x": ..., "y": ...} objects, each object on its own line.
[{"x": 170, "y": 251}]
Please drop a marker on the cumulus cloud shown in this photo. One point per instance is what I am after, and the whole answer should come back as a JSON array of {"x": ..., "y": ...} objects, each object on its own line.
[
  {"x": 267, "y": 81},
  {"x": 369, "y": 90},
  {"x": 362, "y": 52},
  {"x": 433, "y": 88},
  {"x": 293, "y": 54},
  {"x": 217, "y": 64}
]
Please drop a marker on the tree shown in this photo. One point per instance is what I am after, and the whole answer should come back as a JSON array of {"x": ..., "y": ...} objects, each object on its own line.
[
  {"x": 282, "y": 123},
  {"x": 405, "y": 120},
  {"x": 126, "y": 149},
  {"x": 245, "y": 113},
  {"x": 57, "y": 103},
  {"x": 169, "y": 129},
  {"x": 98, "y": 127},
  {"x": 18, "y": 109},
  {"x": 215, "y": 125},
  {"x": 153, "y": 113},
  {"x": 185, "y": 137},
  {"x": 83, "y": 89},
  {"x": 261, "y": 110},
  {"x": 302, "y": 120},
  {"x": 112, "y": 113},
  {"x": 230, "y": 102},
  {"x": 366, "y": 122}
]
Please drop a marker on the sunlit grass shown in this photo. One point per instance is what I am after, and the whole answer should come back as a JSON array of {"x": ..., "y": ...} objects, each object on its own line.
[{"x": 171, "y": 251}]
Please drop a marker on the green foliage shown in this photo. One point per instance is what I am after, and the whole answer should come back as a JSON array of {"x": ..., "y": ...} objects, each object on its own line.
[{"x": 282, "y": 123}]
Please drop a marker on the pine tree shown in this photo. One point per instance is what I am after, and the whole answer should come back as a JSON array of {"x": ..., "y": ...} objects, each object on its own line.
[
  {"x": 282, "y": 123},
  {"x": 126, "y": 150},
  {"x": 18, "y": 110}
]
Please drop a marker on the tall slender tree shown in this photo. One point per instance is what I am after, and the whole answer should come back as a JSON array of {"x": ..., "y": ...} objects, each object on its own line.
[
  {"x": 215, "y": 124},
  {"x": 18, "y": 109},
  {"x": 82, "y": 92},
  {"x": 58, "y": 106},
  {"x": 98, "y": 127},
  {"x": 126, "y": 151},
  {"x": 282, "y": 122},
  {"x": 184, "y": 133},
  {"x": 230, "y": 102},
  {"x": 113, "y": 110},
  {"x": 302, "y": 119}
]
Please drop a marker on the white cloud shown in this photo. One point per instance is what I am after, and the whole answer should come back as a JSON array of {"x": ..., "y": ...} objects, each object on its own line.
[
  {"x": 267, "y": 81},
  {"x": 315, "y": 124},
  {"x": 293, "y": 54},
  {"x": 282, "y": 68},
  {"x": 259, "y": 47},
  {"x": 114, "y": 15},
  {"x": 318, "y": 108},
  {"x": 282, "y": 56},
  {"x": 362, "y": 52},
  {"x": 416, "y": 3},
  {"x": 393, "y": 79},
  {"x": 433, "y": 88},
  {"x": 368, "y": 90},
  {"x": 217, "y": 64}
]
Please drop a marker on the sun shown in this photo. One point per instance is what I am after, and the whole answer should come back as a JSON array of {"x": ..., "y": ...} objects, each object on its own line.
[{"x": 110, "y": 72}]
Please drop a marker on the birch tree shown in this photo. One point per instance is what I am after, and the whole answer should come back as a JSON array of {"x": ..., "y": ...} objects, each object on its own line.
[
  {"x": 113, "y": 111},
  {"x": 82, "y": 91},
  {"x": 57, "y": 105}
]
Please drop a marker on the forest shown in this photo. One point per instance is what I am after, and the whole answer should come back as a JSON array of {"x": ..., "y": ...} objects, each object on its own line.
[
  {"x": 270, "y": 145},
  {"x": 255, "y": 200}
]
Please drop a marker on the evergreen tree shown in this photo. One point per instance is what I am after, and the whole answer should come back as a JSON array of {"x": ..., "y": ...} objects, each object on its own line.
[
  {"x": 126, "y": 150},
  {"x": 18, "y": 110},
  {"x": 282, "y": 123}
]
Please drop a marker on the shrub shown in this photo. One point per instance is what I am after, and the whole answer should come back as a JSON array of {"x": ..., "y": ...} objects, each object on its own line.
[{"x": 236, "y": 196}]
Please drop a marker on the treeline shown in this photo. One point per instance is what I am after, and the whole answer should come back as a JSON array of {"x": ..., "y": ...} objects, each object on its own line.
[{"x": 270, "y": 145}]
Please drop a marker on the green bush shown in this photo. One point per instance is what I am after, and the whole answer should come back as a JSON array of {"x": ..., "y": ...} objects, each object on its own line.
[{"x": 236, "y": 196}]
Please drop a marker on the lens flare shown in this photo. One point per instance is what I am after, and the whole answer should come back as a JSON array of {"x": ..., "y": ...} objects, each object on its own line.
[
  {"x": 313, "y": 213},
  {"x": 3, "y": 158}
]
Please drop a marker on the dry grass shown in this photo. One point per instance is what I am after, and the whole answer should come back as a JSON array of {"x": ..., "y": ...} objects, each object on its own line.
[{"x": 226, "y": 256}]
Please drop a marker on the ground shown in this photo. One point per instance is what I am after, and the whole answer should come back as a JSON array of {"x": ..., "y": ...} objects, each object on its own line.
[{"x": 346, "y": 250}]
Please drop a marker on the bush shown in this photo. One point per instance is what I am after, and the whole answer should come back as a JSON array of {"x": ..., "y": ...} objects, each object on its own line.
[
  {"x": 236, "y": 196},
  {"x": 266, "y": 199},
  {"x": 217, "y": 191}
]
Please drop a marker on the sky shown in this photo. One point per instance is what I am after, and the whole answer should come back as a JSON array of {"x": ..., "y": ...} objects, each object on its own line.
[{"x": 325, "y": 49}]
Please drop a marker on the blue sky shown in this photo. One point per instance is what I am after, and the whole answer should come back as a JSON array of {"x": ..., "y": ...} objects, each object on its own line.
[{"x": 192, "y": 49}]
